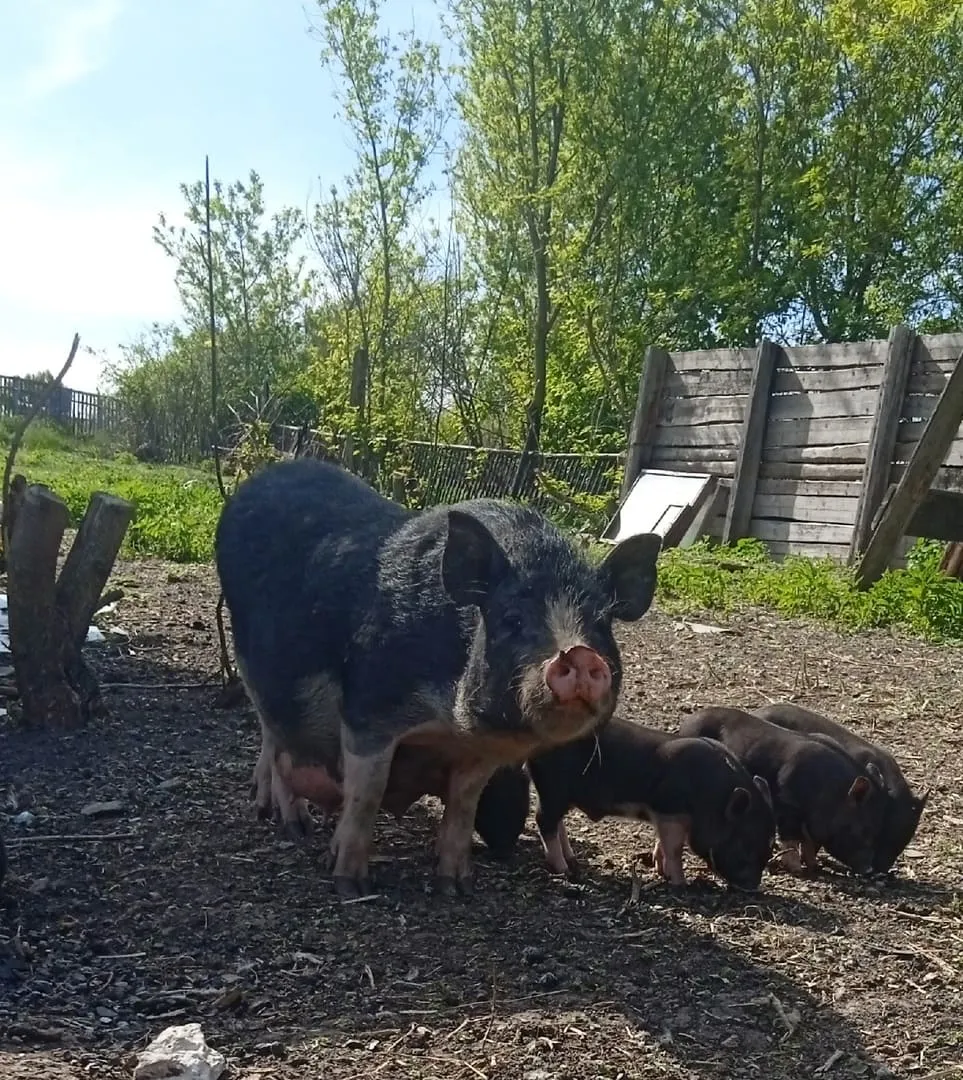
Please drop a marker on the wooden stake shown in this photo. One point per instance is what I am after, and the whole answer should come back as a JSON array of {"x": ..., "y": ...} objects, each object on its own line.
[
  {"x": 646, "y": 417},
  {"x": 739, "y": 510},
  {"x": 882, "y": 438},
  {"x": 37, "y": 629},
  {"x": 937, "y": 437}
]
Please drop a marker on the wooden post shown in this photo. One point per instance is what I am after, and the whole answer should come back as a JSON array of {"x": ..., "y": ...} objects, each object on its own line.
[
  {"x": 36, "y": 626},
  {"x": 90, "y": 561},
  {"x": 646, "y": 416},
  {"x": 49, "y": 618},
  {"x": 739, "y": 510},
  {"x": 937, "y": 437},
  {"x": 882, "y": 437}
]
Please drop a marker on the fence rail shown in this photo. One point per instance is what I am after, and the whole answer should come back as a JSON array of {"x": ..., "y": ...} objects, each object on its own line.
[
  {"x": 447, "y": 472},
  {"x": 78, "y": 411}
]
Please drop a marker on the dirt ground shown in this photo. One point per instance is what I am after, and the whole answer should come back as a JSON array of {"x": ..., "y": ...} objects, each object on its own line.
[{"x": 182, "y": 907}]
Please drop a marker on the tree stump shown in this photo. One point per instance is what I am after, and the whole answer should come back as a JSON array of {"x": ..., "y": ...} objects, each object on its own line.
[{"x": 49, "y": 618}]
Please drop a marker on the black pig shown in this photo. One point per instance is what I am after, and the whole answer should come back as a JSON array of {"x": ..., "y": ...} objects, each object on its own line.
[
  {"x": 467, "y": 636},
  {"x": 903, "y": 809},
  {"x": 692, "y": 790},
  {"x": 821, "y": 797}
]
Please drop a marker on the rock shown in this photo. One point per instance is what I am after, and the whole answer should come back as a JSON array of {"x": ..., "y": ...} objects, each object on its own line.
[
  {"x": 102, "y": 809},
  {"x": 180, "y": 1053}
]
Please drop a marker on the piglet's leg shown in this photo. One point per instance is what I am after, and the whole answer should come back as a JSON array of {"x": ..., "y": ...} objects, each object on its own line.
[
  {"x": 262, "y": 778},
  {"x": 809, "y": 851},
  {"x": 465, "y": 785},
  {"x": 787, "y": 858},
  {"x": 365, "y": 780},
  {"x": 566, "y": 846},
  {"x": 558, "y": 851},
  {"x": 295, "y": 816},
  {"x": 669, "y": 846}
]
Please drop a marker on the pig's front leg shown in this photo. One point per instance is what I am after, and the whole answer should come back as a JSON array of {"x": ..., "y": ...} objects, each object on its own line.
[
  {"x": 465, "y": 785},
  {"x": 671, "y": 837},
  {"x": 365, "y": 779}
]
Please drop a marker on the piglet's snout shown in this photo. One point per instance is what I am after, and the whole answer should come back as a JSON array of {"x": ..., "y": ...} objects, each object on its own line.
[{"x": 578, "y": 674}]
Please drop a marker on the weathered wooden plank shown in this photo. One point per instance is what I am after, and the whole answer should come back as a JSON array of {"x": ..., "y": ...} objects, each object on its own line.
[
  {"x": 836, "y": 403},
  {"x": 688, "y": 412},
  {"x": 846, "y": 488},
  {"x": 926, "y": 381},
  {"x": 804, "y": 532},
  {"x": 942, "y": 346},
  {"x": 904, "y": 451},
  {"x": 918, "y": 407},
  {"x": 739, "y": 510},
  {"x": 841, "y": 454},
  {"x": 830, "y": 509},
  {"x": 645, "y": 419},
  {"x": 837, "y": 355},
  {"x": 688, "y": 384},
  {"x": 779, "y": 549},
  {"x": 882, "y": 438},
  {"x": 704, "y": 435},
  {"x": 819, "y": 432},
  {"x": 791, "y": 381},
  {"x": 815, "y": 472},
  {"x": 680, "y": 461},
  {"x": 719, "y": 460},
  {"x": 715, "y": 360},
  {"x": 930, "y": 453}
]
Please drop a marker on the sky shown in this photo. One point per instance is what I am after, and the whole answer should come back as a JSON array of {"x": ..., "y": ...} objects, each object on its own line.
[{"x": 106, "y": 107}]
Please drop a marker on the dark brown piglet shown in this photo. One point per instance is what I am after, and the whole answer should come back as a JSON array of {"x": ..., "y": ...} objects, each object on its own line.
[
  {"x": 822, "y": 799},
  {"x": 903, "y": 809},
  {"x": 692, "y": 790}
]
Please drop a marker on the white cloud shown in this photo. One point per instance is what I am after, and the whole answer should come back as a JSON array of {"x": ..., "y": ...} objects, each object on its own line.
[
  {"x": 75, "y": 263},
  {"x": 75, "y": 39}
]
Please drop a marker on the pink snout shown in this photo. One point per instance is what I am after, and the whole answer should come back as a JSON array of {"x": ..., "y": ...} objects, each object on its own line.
[{"x": 578, "y": 674}]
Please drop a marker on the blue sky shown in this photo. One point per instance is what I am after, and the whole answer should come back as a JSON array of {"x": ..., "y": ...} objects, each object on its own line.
[{"x": 106, "y": 106}]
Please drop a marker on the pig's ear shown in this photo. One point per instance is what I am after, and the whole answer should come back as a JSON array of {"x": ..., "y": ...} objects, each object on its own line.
[
  {"x": 739, "y": 802},
  {"x": 468, "y": 559},
  {"x": 872, "y": 771},
  {"x": 629, "y": 576},
  {"x": 860, "y": 789},
  {"x": 763, "y": 786}
]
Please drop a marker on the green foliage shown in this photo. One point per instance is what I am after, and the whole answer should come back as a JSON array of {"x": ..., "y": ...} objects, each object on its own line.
[
  {"x": 683, "y": 174},
  {"x": 175, "y": 509},
  {"x": 726, "y": 578}
]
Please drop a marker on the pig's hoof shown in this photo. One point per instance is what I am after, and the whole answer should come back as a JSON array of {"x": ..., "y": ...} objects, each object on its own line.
[
  {"x": 573, "y": 871},
  {"x": 349, "y": 888},
  {"x": 296, "y": 830},
  {"x": 450, "y": 887}
]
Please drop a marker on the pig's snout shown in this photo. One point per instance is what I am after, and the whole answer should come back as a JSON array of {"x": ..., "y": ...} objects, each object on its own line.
[{"x": 578, "y": 674}]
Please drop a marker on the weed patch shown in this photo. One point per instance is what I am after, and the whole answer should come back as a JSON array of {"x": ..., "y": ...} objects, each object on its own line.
[{"x": 742, "y": 575}]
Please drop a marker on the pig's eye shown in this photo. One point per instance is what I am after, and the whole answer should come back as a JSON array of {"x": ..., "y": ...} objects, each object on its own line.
[{"x": 511, "y": 622}]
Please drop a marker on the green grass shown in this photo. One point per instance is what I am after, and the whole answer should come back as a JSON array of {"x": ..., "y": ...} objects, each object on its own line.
[
  {"x": 176, "y": 511},
  {"x": 920, "y": 598}
]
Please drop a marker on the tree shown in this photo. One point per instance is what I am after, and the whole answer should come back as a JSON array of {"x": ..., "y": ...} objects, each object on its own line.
[
  {"x": 388, "y": 95},
  {"x": 262, "y": 287}
]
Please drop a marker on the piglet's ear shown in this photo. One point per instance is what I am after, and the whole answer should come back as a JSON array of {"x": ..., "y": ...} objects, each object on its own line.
[
  {"x": 468, "y": 559},
  {"x": 873, "y": 772},
  {"x": 629, "y": 577},
  {"x": 860, "y": 789},
  {"x": 739, "y": 802},
  {"x": 763, "y": 786}
]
